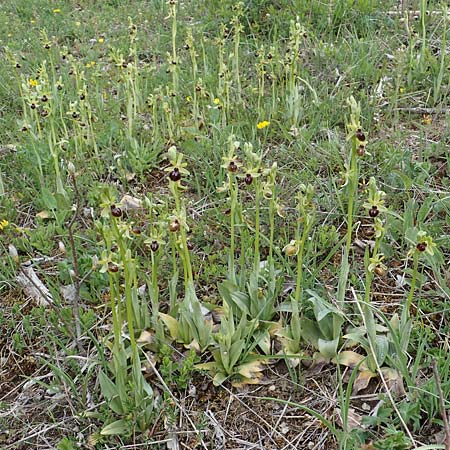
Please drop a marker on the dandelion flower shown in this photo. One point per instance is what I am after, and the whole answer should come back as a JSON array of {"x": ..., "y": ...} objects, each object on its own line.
[
  {"x": 101, "y": 40},
  {"x": 217, "y": 101},
  {"x": 32, "y": 83},
  {"x": 3, "y": 224},
  {"x": 263, "y": 124}
]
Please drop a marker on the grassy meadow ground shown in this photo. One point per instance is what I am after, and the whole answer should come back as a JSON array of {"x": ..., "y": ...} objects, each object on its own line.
[{"x": 224, "y": 225}]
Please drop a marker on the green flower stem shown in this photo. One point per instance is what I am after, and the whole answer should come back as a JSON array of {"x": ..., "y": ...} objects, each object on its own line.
[
  {"x": 413, "y": 285},
  {"x": 237, "y": 32},
  {"x": 155, "y": 289},
  {"x": 352, "y": 188},
  {"x": 301, "y": 249},
  {"x": 257, "y": 224},
  {"x": 271, "y": 227},
  {"x": 188, "y": 275},
  {"x": 233, "y": 201},
  {"x": 174, "y": 51},
  {"x": 115, "y": 309},
  {"x": 129, "y": 270},
  {"x": 52, "y": 146},
  {"x": 369, "y": 275},
  {"x": 353, "y": 183}
]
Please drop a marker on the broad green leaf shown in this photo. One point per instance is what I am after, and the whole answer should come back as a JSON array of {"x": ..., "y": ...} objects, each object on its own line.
[
  {"x": 310, "y": 332},
  {"x": 121, "y": 426},
  {"x": 264, "y": 342},
  {"x": 172, "y": 324},
  {"x": 328, "y": 348},
  {"x": 109, "y": 389},
  {"x": 234, "y": 298},
  {"x": 219, "y": 378},
  {"x": 382, "y": 348},
  {"x": 211, "y": 366}
]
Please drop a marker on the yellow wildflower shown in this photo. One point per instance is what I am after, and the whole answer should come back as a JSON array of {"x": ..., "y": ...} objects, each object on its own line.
[
  {"x": 262, "y": 124},
  {"x": 32, "y": 82},
  {"x": 217, "y": 101},
  {"x": 426, "y": 119},
  {"x": 78, "y": 24},
  {"x": 189, "y": 99},
  {"x": 56, "y": 10},
  {"x": 3, "y": 224},
  {"x": 101, "y": 40}
]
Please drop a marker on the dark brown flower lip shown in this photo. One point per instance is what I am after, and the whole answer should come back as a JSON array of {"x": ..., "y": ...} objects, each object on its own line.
[
  {"x": 175, "y": 175},
  {"x": 360, "y": 135},
  {"x": 232, "y": 167},
  {"x": 374, "y": 211},
  {"x": 115, "y": 211},
  {"x": 248, "y": 180},
  {"x": 421, "y": 246}
]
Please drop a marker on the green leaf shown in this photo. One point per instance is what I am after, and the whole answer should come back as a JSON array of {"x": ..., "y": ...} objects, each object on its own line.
[
  {"x": 121, "y": 426},
  {"x": 234, "y": 297},
  {"x": 310, "y": 332},
  {"x": 328, "y": 348},
  {"x": 66, "y": 444},
  {"x": 109, "y": 389},
  {"x": 382, "y": 348},
  {"x": 48, "y": 199},
  {"x": 219, "y": 378},
  {"x": 111, "y": 393},
  {"x": 172, "y": 324}
]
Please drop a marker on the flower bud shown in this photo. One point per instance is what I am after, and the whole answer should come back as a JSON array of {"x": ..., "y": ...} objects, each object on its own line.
[{"x": 174, "y": 226}]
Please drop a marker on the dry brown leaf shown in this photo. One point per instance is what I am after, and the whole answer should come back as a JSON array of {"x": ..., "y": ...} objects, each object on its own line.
[
  {"x": 354, "y": 420},
  {"x": 43, "y": 215},
  {"x": 318, "y": 363},
  {"x": 350, "y": 359},
  {"x": 394, "y": 381},
  {"x": 363, "y": 380},
  {"x": 129, "y": 203}
]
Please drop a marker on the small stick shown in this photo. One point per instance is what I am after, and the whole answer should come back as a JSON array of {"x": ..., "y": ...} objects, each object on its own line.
[{"x": 442, "y": 402}]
